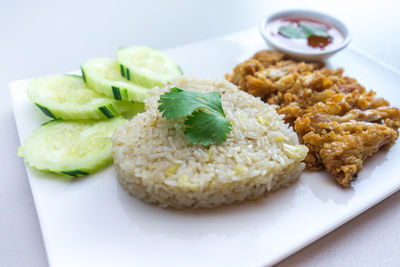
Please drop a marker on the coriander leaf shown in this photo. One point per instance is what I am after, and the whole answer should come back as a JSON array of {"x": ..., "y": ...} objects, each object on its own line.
[
  {"x": 205, "y": 128},
  {"x": 178, "y": 103},
  {"x": 292, "y": 31},
  {"x": 205, "y": 119},
  {"x": 310, "y": 30}
]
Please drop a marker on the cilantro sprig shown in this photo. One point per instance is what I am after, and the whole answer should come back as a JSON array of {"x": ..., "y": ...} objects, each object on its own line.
[{"x": 205, "y": 119}]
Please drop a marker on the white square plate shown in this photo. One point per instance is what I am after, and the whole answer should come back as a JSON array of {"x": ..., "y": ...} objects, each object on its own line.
[{"x": 93, "y": 222}]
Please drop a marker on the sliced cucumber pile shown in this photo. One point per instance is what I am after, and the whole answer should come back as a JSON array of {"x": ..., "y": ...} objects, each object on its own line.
[
  {"x": 67, "y": 97},
  {"x": 86, "y": 109},
  {"x": 104, "y": 76},
  {"x": 147, "y": 66},
  {"x": 74, "y": 148}
]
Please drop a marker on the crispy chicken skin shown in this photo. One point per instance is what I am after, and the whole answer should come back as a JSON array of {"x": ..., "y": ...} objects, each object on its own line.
[{"x": 340, "y": 122}]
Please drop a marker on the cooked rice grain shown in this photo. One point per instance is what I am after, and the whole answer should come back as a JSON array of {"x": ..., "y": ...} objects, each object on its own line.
[{"x": 156, "y": 163}]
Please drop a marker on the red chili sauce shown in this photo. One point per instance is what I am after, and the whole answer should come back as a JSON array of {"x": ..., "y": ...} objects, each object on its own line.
[{"x": 313, "y": 42}]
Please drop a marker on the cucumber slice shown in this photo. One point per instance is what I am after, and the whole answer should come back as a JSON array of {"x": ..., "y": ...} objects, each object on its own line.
[
  {"x": 73, "y": 148},
  {"x": 129, "y": 109},
  {"x": 104, "y": 76},
  {"x": 147, "y": 66},
  {"x": 67, "y": 97}
]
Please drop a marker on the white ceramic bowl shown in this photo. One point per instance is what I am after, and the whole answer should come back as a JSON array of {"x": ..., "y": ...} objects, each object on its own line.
[{"x": 316, "y": 55}]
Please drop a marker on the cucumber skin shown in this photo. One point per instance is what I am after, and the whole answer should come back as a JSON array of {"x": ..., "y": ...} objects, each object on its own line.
[
  {"x": 109, "y": 111},
  {"x": 83, "y": 75},
  {"x": 116, "y": 92},
  {"x": 125, "y": 72},
  {"x": 75, "y": 173},
  {"x": 83, "y": 166},
  {"x": 46, "y": 111}
]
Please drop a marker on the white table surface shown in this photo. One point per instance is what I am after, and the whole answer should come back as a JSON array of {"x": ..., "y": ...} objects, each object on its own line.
[{"x": 47, "y": 37}]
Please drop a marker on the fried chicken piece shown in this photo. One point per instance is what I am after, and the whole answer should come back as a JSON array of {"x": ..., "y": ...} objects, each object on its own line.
[
  {"x": 343, "y": 145},
  {"x": 340, "y": 122}
]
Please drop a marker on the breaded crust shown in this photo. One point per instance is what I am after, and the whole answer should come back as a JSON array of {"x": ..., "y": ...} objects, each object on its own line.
[{"x": 340, "y": 122}]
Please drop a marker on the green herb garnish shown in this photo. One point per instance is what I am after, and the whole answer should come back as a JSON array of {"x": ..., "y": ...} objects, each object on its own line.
[
  {"x": 292, "y": 31},
  {"x": 205, "y": 119},
  {"x": 310, "y": 30},
  {"x": 303, "y": 32}
]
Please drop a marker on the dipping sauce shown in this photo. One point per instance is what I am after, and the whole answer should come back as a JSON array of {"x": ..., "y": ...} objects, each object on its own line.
[{"x": 304, "y": 34}]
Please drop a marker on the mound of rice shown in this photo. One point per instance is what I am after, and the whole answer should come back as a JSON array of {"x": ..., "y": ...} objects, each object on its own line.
[{"x": 156, "y": 163}]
